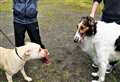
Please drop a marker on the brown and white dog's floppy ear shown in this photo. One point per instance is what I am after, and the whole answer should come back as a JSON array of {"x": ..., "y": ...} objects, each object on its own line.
[{"x": 91, "y": 21}]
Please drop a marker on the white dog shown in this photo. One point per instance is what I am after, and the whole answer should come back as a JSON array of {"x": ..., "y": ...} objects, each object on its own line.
[
  {"x": 12, "y": 62},
  {"x": 101, "y": 41}
]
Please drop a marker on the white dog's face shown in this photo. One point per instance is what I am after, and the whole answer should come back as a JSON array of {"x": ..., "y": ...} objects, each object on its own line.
[{"x": 34, "y": 51}]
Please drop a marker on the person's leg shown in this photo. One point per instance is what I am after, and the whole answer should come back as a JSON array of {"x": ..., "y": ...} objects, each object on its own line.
[
  {"x": 19, "y": 32},
  {"x": 33, "y": 32}
]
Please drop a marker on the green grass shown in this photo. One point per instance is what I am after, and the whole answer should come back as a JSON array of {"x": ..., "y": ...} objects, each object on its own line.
[
  {"x": 7, "y": 6},
  {"x": 81, "y": 3}
]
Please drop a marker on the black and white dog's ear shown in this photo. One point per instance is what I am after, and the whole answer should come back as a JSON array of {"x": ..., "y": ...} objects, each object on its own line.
[
  {"x": 95, "y": 23},
  {"x": 91, "y": 21}
]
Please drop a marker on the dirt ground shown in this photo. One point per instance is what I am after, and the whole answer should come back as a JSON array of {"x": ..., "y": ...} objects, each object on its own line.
[{"x": 57, "y": 28}]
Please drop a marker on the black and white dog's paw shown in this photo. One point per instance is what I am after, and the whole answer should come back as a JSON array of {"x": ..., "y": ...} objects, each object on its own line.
[
  {"x": 94, "y": 74},
  {"x": 95, "y": 81},
  {"x": 109, "y": 68}
]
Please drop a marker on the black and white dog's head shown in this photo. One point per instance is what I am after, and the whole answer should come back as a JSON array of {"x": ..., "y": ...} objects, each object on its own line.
[{"x": 86, "y": 27}]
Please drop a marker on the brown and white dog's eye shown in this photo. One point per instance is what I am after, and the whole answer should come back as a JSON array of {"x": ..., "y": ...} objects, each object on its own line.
[{"x": 82, "y": 28}]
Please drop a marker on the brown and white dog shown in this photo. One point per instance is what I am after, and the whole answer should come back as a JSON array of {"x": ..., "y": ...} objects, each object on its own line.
[
  {"x": 11, "y": 63},
  {"x": 101, "y": 41}
]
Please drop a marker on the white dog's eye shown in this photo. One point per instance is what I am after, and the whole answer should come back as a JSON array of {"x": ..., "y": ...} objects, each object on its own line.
[{"x": 39, "y": 49}]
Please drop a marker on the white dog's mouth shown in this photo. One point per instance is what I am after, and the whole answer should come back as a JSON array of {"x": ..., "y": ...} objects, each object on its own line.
[{"x": 46, "y": 59}]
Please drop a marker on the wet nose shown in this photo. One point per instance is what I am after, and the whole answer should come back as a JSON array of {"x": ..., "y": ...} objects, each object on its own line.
[{"x": 76, "y": 40}]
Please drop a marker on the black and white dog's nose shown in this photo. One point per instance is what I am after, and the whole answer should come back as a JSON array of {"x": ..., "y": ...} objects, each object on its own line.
[{"x": 76, "y": 40}]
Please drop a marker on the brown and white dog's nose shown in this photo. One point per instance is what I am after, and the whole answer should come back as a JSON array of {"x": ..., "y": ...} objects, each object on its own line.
[
  {"x": 77, "y": 37},
  {"x": 76, "y": 40}
]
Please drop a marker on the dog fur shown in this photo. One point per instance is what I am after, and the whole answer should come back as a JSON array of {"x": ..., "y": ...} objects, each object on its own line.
[
  {"x": 101, "y": 41},
  {"x": 11, "y": 63}
]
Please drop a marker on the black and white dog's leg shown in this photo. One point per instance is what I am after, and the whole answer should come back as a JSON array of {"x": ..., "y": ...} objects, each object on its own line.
[
  {"x": 95, "y": 62},
  {"x": 103, "y": 63},
  {"x": 95, "y": 66},
  {"x": 102, "y": 71}
]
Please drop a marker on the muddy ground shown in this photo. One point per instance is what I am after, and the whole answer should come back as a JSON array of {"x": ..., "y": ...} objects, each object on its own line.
[{"x": 57, "y": 27}]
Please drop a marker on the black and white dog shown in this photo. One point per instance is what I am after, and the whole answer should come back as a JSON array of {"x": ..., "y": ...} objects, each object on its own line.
[{"x": 101, "y": 41}]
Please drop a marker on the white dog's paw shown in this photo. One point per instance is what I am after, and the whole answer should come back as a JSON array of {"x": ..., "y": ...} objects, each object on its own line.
[
  {"x": 95, "y": 81},
  {"x": 94, "y": 74},
  {"x": 28, "y": 78}
]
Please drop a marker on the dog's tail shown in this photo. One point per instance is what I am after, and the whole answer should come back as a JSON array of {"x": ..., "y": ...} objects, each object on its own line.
[{"x": 117, "y": 44}]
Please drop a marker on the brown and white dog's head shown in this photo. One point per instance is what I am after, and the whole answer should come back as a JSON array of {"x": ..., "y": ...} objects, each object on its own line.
[
  {"x": 86, "y": 27},
  {"x": 34, "y": 51}
]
